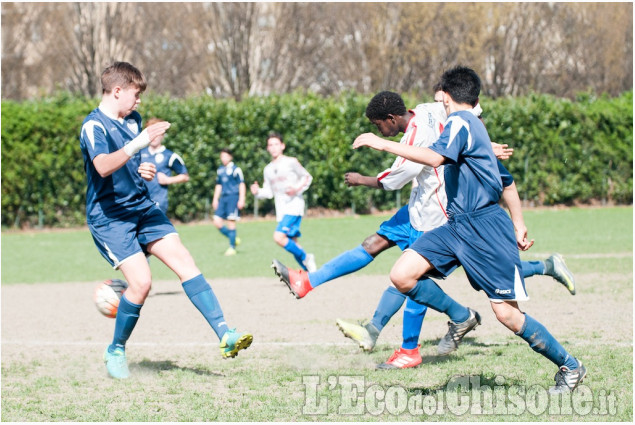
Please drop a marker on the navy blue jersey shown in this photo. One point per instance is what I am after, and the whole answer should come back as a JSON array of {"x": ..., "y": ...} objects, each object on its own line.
[
  {"x": 506, "y": 176},
  {"x": 123, "y": 192},
  {"x": 471, "y": 170},
  {"x": 166, "y": 162},
  {"x": 229, "y": 177}
]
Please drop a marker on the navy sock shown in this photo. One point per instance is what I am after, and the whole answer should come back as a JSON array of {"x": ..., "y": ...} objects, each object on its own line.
[
  {"x": 232, "y": 238},
  {"x": 345, "y": 263},
  {"x": 428, "y": 293},
  {"x": 413, "y": 316},
  {"x": 542, "y": 342},
  {"x": 389, "y": 304},
  {"x": 225, "y": 231},
  {"x": 127, "y": 316},
  {"x": 202, "y": 296},
  {"x": 296, "y": 251},
  {"x": 531, "y": 268}
]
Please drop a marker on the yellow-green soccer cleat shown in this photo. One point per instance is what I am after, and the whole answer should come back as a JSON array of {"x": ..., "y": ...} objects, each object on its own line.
[
  {"x": 364, "y": 335},
  {"x": 556, "y": 268},
  {"x": 230, "y": 251},
  {"x": 232, "y": 342},
  {"x": 116, "y": 363}
]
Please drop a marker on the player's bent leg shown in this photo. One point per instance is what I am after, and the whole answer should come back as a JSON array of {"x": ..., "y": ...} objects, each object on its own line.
[
  {"x": 508, "y": 313},
  {"x": 407, "y": 270},
  {"x": 171, "y": 251},
  {"x": 136, "y": 271}
]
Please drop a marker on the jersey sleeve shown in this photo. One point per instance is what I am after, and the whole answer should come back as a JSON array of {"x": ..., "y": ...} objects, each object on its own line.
[
  {"x": 453, "y": 140},
  {"x": 506, "y": 176},
  {"x": 177, "y": 164},
  {"x": 400, "y": 174},
  {"x": 93, "y": 136},
  {"x": 265, "y": 192},
  {"x": 238, "y": 173}
]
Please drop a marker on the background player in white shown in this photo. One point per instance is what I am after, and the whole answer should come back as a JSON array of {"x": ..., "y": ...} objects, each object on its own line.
[
  {"x": 166, "y": 162},
  {"x": 286, "y": 180},
  {"x": 229, "y": 199}
]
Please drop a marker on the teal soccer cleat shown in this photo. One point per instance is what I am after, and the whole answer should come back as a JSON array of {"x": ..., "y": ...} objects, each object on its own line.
[
  {"x": 116, "y": 363},
  {"x": 232, "y": 342}
]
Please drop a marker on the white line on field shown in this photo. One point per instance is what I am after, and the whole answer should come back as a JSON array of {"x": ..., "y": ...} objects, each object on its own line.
[{"x": 257, "y": 344}]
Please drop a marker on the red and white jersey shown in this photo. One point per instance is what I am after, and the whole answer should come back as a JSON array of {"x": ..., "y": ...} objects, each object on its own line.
[
  {"x": 427, "y": 198},
  {"x": 281, "y": 174}
]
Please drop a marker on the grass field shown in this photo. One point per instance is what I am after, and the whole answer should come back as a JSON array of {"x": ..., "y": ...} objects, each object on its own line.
[{"x": 300, "y": 368}]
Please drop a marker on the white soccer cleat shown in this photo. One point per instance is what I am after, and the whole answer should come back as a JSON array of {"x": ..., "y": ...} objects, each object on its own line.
[{"x": 309, "y": 263}]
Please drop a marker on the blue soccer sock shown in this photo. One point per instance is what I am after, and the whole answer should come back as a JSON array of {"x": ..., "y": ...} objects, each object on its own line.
[
  {"x": 232, "y": 238},
  {"x": 296, "y": 251},
  {"x": 202, "y": 296},
  {"x": 428, "y": 293},
  {"x": 127, "y": 316},
  {"x": 225, "y": 231},
  {"x": 542, "y": 342},
  {"x": 413, "y": 316},
  {"x": 389, "y": 304},
  {"x": 345, "y": 263},
  {"x": 531, "y": 268}
]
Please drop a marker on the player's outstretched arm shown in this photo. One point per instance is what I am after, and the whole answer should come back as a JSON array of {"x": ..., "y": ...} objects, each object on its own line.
[
  {"x": 356, "y": 179},
  {"x": 413, "y": 153}
]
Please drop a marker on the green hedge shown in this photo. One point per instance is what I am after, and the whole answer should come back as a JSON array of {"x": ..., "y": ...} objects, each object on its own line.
[{"x": 565, "y": 151}]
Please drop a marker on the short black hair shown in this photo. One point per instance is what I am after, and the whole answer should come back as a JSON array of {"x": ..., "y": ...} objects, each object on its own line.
[
  {"x": 384, "y": 103},
  {"x": 462, "y": 84},
  {"x": 275, "y": 134},
  {"x": 227, "y": 151}
]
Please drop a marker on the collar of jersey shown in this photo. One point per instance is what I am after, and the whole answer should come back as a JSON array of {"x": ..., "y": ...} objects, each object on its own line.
[
  {"x": 158, "y": 150},
  {"x": 109, "y": 115}
]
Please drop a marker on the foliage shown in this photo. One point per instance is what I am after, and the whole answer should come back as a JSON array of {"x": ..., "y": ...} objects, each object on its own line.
[{"x": 565, "y": 152}]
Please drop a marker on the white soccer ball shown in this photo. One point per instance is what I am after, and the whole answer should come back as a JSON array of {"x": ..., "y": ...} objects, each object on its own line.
[{"x": 107, "y": 296}]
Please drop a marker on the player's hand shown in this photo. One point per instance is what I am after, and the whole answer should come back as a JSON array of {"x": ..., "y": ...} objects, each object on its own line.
[
  {"x": 521, "y": 238},
  {"x": 255, "y": 187},
  {"x": 502, "y": 151},
  {"x": 215, "y": 205},
  {"x": 163, "y": 179},
  {"x": 352, "y": 179},
  {"x": 147, "y": 170},
  {"x": 241, "y": 204},
  {"x": 371, "y": 140},
  {"x": 157, "y": 129}
]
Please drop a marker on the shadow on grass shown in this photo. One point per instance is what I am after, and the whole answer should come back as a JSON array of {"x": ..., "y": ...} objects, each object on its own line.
[
  {"x": 169, "y": 365},
  {"x": 464, "y": 384}
]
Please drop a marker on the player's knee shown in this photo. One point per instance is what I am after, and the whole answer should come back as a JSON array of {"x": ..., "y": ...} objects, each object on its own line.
[
  {"x": 375, "y": 244},
  {"x": 280, "y": 238},
  {"x": 138, "y": 289},
  {"x": 402, "y": 281}
]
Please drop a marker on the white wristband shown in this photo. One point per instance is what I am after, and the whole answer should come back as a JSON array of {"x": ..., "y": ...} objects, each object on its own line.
[{"x": 138, "y": 143}]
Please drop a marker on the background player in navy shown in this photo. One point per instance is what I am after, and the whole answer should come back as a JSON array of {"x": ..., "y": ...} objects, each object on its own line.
[
  {"x": 123, "y": 220},
  {"x": 479, "y": 235},
  {"x": 229, "y": 198},
  {"x": 166, "y": 162}
]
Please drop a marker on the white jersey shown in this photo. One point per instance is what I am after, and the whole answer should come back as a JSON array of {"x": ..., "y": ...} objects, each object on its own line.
[
  {"x": 427, "y": 198},
  {"x": 283, "y": 173}
]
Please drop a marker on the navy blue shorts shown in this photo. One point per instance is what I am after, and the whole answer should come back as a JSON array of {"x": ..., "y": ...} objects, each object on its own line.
[
  {"x": 228, "y": 208},
  {"x": 290, "y": 226},
  {"x": 398, "y": 229},
  {"x": 118, "y": 240},
  {"x": 484, "y": 243}
]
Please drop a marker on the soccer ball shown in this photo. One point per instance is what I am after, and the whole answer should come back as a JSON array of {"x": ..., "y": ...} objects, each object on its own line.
[{"x": 107, "y": 296}]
